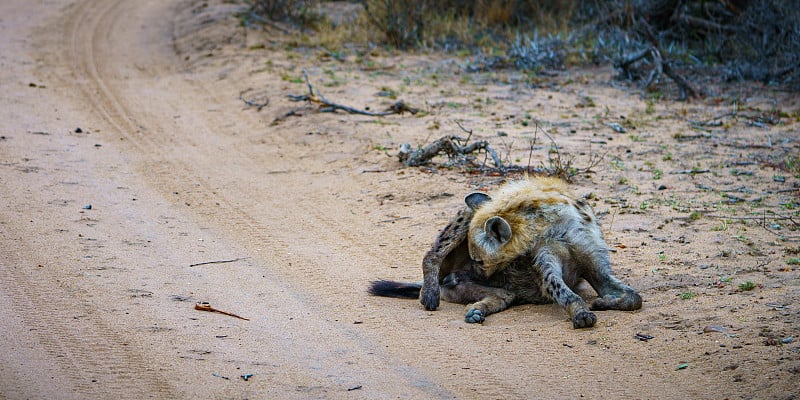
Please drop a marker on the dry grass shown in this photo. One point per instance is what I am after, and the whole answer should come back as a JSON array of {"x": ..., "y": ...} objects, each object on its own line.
[{"x": 692, "y": 34}]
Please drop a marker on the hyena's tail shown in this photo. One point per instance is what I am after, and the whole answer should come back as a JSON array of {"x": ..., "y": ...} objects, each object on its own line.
[{"x": 403, "y": 290}]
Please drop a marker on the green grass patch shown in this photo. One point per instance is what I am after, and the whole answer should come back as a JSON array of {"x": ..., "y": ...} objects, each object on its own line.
[{"x": 747, "y": 286}]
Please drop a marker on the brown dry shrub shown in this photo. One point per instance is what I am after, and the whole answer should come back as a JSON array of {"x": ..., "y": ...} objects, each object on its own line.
[
  {"x": 736, "y": 39},
  {"x": 285, "y": 10},
  {"x": 402, "y": 23}
]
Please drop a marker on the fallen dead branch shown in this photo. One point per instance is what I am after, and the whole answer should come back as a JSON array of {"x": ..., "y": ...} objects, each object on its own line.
[
  {"x": 205, "y": 306},
  {"x": 313, "y": 96},
  {"x": 453, "y": 146},
  {"x": 690, "y": 171},
  {"x": 760, "y": 119},
  {"x": 459, "y": 151},
  {"x": 660, "y": 65}
]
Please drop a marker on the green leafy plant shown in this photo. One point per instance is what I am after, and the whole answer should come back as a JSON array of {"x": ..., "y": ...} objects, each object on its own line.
[
  {"x": 658, "y": 174},
  {"x": 747, "y": 286},
  {"x": 687, "y": 295},
  {"x": 722, "y": 226}
]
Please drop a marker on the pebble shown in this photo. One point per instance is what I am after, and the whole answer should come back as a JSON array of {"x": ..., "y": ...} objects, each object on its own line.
[
  {"x": 616, "y": 127},
  {"x": 714, "y": 328}
]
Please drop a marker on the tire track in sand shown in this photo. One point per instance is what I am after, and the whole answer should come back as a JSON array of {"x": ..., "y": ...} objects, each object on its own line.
[
  {"x": 92, "y": 358},
  {"x": 265, "y": 216},
  {"x": 55, "y": 344},
  {"x": 286, "y": 227}
]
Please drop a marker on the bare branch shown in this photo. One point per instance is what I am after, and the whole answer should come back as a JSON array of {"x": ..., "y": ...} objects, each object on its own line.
[
  {"x": 449, "y": 145},
  {"x": 398, "y": 107}
]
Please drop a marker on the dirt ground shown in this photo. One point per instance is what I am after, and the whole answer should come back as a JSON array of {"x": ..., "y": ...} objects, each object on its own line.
[{"x": 136, "y": 182}]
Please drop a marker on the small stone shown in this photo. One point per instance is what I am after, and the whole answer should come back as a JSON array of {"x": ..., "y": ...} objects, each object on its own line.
[
  {"x": 616, "y": 127},
  {"x": 78, "y": 130},
  {"x": 714, "y": 328},
  {"x": 87, "y": 207}
]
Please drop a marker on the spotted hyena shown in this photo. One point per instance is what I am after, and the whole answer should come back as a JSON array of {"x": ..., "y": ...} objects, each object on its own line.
[{"x": 531, "y": 241}]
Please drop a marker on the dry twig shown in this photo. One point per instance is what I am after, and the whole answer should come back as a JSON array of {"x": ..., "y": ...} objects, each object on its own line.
[
  {"x": 258, "y": 104},
  {"x": 313, "y": 96},
  {"x": 205, "y": 306},
  {"x": 217, "y": 262}
]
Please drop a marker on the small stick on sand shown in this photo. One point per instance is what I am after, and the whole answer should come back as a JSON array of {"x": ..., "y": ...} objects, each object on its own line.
[{"x": 205, "y": 306}]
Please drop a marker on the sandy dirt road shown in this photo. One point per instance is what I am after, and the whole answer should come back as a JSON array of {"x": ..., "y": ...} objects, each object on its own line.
[{"x": 119, "y": 106}]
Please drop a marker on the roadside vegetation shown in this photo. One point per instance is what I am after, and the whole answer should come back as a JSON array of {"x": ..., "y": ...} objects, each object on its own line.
[{"x": 673, "y": 45}]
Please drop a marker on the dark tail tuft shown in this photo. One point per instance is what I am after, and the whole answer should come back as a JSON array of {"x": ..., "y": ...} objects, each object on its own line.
[{"x": 403, "y": 290}]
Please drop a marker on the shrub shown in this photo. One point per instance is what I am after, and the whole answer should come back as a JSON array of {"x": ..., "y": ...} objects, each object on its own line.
[{"x": 402, "y": 22}]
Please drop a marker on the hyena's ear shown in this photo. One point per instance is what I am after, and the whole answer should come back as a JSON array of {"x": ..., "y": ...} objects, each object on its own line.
[
  {"x": 476, "y": 199},
  {"x": 498, "y": 231}
]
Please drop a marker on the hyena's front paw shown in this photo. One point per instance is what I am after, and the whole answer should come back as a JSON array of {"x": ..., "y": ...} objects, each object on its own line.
[
  {"x": 583, "y": 319},
  {"x": 628, "y": 301},
  {"x": 474, "y": 315},
  {"x": 429, "y": 297}
]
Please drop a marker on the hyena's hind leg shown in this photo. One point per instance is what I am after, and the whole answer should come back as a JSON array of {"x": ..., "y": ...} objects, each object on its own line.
[
  {"x": 591, "y": 253},
  {"x": 554, "y": 286},
  {"x": 614, "y": 295},
  {"x": 485, "y": 300}
]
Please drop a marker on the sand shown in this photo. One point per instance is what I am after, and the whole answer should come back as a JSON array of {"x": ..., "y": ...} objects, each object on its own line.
[{"x": 136, "y": 182}]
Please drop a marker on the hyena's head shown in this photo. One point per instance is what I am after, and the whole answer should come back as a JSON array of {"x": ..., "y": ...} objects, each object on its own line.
[
  {"x": 490, "y": 237},
  {"x": 505, "y": 225}
]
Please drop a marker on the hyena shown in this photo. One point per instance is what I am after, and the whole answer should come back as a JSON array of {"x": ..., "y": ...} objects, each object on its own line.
[{"x": 531, "y": 241}]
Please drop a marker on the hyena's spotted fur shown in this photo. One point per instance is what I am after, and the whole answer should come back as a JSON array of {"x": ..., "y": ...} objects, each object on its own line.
[{"x": 531, "y": 241}]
